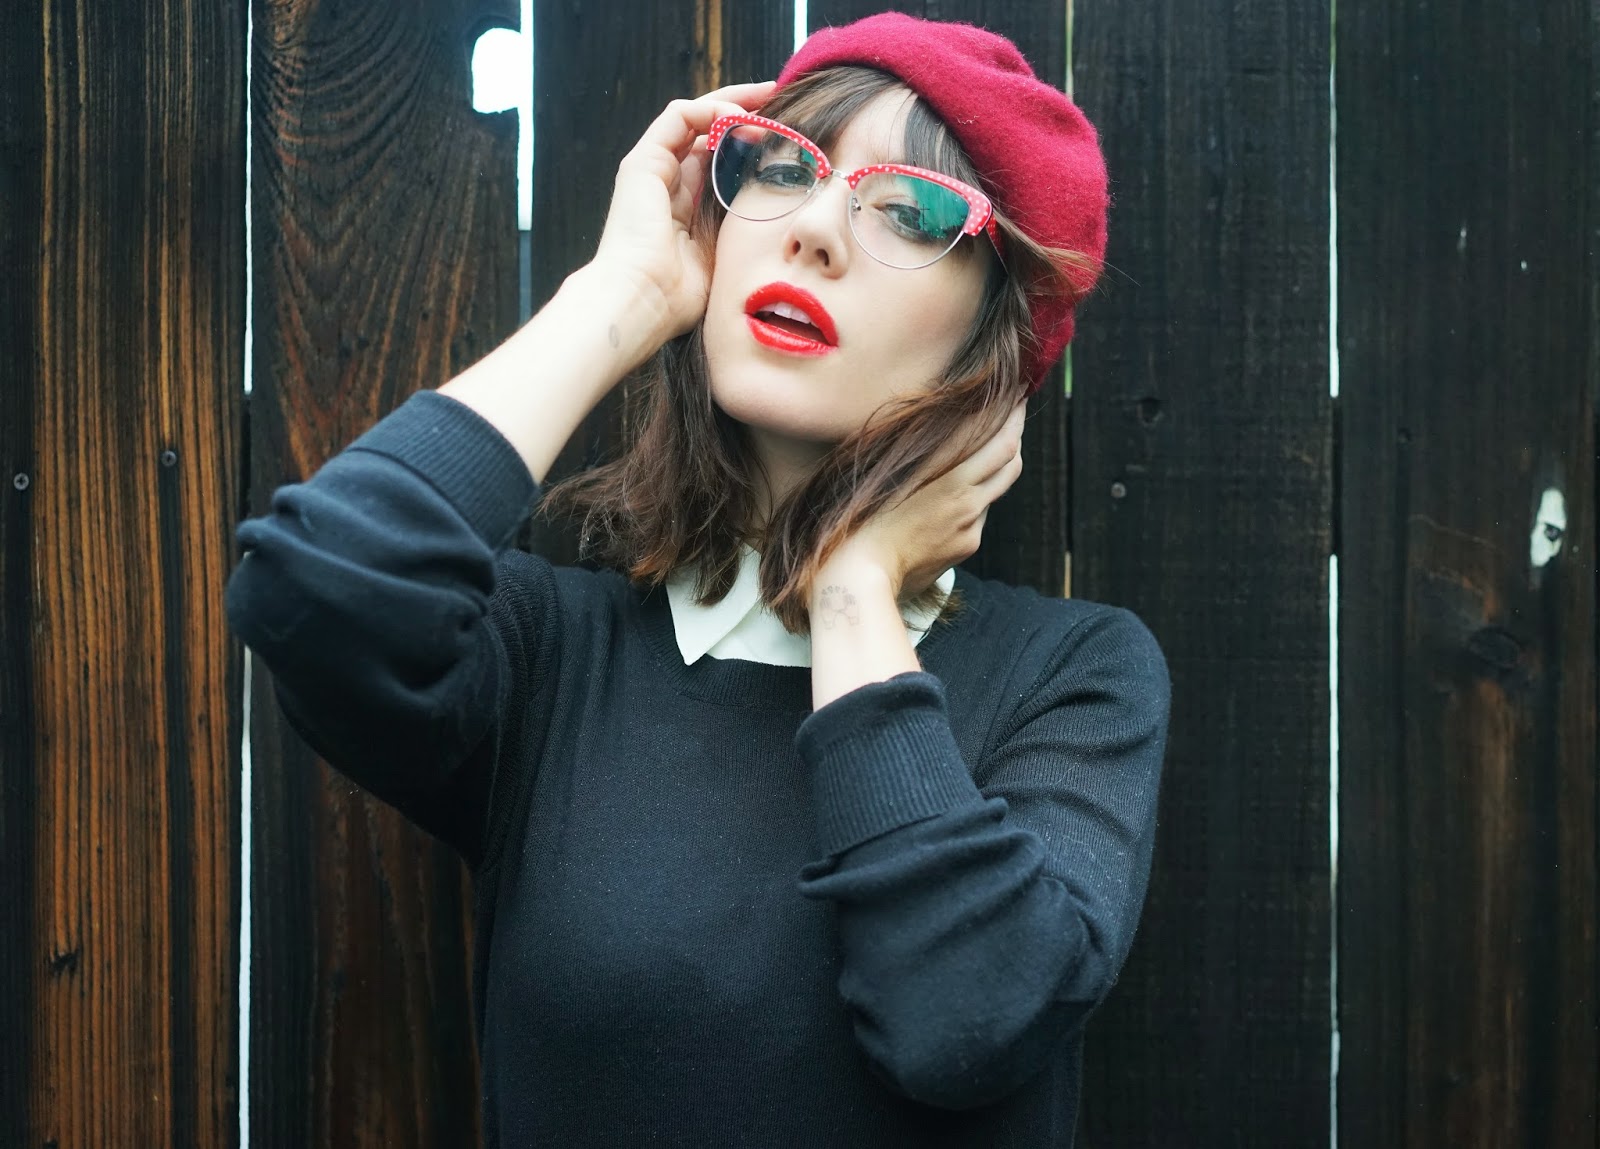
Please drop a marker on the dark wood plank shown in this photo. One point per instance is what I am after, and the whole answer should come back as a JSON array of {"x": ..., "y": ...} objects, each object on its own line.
[
  {"x": 601, "y": 74},
  {"x": 756, "y": 39},
  {"x": 22, "y": 132},
  {"x": 120, "y": 379},
  {"x": 1202, "y": 498},
  {"x": 1025, "y": 535},
  {"x": 1469, "y": 201},
  {"x": 385, "y": 261}
]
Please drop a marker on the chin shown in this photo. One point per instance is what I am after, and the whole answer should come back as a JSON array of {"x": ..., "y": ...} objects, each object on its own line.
[
  {"x": 785, "y": 417},
  {"x": 795, "y": 399}
]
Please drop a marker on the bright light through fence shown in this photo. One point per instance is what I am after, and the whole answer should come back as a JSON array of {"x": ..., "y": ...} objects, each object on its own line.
[{"x": 502, "y": 79}]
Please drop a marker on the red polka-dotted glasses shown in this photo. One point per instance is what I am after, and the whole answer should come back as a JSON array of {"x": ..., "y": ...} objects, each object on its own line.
[{"x": 903, "y": 216}]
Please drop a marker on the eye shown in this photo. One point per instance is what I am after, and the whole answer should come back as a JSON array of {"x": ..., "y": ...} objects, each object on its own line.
[
  {"x": 911, "y": 221},
  {"x": 785, "y": 175},
  {"x": 903, "y": 215}
]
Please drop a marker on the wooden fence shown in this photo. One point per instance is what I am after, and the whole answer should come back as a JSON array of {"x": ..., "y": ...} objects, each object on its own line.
[{"x": 1201, "y": 473}]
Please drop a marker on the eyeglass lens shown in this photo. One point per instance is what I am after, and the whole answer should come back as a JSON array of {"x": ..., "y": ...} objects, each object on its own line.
[{"x": 902, "y": 220}]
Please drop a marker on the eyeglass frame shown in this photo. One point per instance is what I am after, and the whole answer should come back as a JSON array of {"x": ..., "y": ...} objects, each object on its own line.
[{"x": 980, "y": 208}]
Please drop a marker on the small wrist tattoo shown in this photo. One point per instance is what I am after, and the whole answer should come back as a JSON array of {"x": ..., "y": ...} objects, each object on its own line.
[
  {"x": 615, "y": 336},
  {"x": 836, "y": 602}
]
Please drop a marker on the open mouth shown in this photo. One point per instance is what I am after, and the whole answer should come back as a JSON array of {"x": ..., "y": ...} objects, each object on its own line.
[
  {"x": 787, "y": 335},
  {"x": 802, "y": 328},
  {"x": 787, "y": 318}
]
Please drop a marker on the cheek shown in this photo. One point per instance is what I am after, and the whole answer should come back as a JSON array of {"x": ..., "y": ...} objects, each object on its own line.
[
  {"x": 941, "y": 321},
  {"x": 721, "y": 306},
  {"x": 955, "y": 309}
]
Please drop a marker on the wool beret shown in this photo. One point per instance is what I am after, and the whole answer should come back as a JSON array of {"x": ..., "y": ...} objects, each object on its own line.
[{"x": 1037, "y": 155}]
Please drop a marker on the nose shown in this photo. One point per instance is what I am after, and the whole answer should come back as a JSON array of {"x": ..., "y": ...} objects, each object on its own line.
[{"x": 819, "y": 229}]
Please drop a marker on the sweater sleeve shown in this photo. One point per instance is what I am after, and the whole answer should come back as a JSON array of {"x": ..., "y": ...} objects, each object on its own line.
[
  {"x": 979, "y": 925},
  {"x": 369, "y": 592}
]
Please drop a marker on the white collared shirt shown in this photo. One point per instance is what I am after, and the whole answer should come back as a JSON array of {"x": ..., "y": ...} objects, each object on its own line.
[{"x": 741, "y": 626}]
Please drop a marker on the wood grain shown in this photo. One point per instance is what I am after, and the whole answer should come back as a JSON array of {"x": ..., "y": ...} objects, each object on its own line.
[
  {"x": 22, "y": 128},
  {"x": 1469, "y": 205},
  {"x": 385, "y": 261},
  {"x": 1202, "y": 498},
  {"x": 122, "y": 161},
  {"x": 1025, "y": 537}
]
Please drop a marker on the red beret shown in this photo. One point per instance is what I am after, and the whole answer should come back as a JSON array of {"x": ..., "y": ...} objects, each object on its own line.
[{"x": 1038, "y": 156}]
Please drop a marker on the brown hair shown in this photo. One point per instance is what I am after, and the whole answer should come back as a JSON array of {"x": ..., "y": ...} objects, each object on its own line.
[{"x": 686, "y": 493}]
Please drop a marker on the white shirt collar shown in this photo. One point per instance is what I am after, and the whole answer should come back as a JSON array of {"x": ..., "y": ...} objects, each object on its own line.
[{"x": 741, "y": 626}]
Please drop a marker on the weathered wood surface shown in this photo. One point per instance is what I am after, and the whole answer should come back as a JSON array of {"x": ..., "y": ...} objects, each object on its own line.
[
  {"x": 121, "y": 349},
  {"x": 1469, "y": 341},
  {"x": 1202, "y": 474},
  {"x": 1201, "y": 486},
  {"x": 385, "y": 261},
  {"x": 1025, "y": 536},
  {"x": 602, "y": 73}
]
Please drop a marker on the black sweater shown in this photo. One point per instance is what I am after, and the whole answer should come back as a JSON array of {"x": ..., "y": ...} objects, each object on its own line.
[{"x": 707, "y": 916}]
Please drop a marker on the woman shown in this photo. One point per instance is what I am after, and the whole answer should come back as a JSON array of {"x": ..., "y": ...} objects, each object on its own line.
[{"x": 776, "y": 841}]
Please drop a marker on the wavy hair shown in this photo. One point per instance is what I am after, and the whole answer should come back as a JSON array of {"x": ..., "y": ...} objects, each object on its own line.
[{"x": 686, "y": 492}]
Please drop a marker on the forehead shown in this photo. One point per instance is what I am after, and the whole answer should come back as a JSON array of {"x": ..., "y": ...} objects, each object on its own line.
[{"x": 875, "y": 134}]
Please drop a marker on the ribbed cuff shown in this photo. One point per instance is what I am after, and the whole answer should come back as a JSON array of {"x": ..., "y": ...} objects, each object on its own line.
[
  {"x": 464, "y": 456},
  {"x": 882, "y": 756}
]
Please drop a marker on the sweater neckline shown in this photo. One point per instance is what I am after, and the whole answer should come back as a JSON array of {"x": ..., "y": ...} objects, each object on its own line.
[{"x": 760, "y": 685}]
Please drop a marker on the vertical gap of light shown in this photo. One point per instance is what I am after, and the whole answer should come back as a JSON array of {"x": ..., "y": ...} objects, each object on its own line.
[
  {"x": 525, "y": 171},
  {"x": 246, "y": 776},
  {"x": 502, "y": 80},
  {"x": 1333, "y": 596},
  {"x": 249, "y": 254},
  {"x": 1066, "y": 362},
  {"x": 525, "y": 123},
  {"x": 245, "y": 786},
  {"x": 800, "y": 21},
  {"x": 1333, "y": 217},
  {"x": 1333, "y": 848}
]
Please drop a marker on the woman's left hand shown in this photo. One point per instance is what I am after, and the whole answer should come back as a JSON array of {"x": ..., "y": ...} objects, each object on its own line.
[{"x": 915, "y": 539}]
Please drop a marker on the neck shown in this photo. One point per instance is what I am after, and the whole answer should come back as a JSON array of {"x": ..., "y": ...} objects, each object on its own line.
[{"x": 785, "y": 464}]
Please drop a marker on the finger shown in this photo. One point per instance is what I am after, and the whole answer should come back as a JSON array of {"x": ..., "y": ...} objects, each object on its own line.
[
  {"x": 1000, "y": 482},
  {"x": 1017, "y": 419},
  {"x": 678, "y": 127},
  {"x": 686, "y": 192},
  {"x": 696, "y": 116},
  {"x": 1000, "y": 448},
  {"x": 749, "y": 95},
  {"x": 972, "y": 537}
]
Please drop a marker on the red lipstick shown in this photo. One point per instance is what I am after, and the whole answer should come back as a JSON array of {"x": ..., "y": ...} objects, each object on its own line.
[{"x": 792, "y": 320}]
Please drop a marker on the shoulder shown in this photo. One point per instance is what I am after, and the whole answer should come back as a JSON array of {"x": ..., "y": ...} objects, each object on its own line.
[
  {"x": 1039, "y": 620},
  {"x": 529, "y": 588},
  {"x": 1050, "y": 648}
]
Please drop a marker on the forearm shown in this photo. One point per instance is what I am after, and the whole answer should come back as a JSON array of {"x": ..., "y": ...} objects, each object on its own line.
[
  {"x": 984, "y": 908},
  {"x": 857, "y": 634},
  {"x": 967, "y": 957},
  {"x": 971, "y": 961},
  {"x": 367, "y": 591},
  {"x": 539, "y": 385}
]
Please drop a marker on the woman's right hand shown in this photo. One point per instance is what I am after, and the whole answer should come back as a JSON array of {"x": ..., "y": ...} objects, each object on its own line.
[{"x": 646, "y": 239}]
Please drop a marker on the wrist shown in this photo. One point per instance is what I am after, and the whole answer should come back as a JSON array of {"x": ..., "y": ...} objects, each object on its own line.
[
  {"x": 862, "y": 573},
  {"x": 618, "y": 308}
]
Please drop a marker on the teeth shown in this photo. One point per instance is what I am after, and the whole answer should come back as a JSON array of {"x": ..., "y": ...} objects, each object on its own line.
[{"x": 789, "y": 311}]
